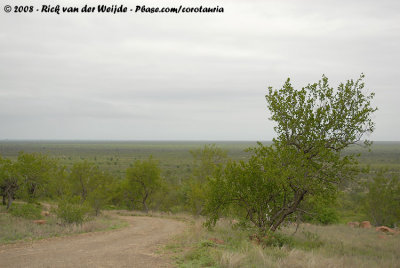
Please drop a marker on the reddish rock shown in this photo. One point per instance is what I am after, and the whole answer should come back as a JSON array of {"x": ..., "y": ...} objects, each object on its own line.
[
  {"x": 217, "y": 241},
  {"x": 39, "y": 221},
  {"x": 382, "y": 236},
  {"x": 353, "y": 224},
  {"x": 385, "y": 229},
  {"x": 365, "y": 225},
  {"x": 233, "y": 222}
]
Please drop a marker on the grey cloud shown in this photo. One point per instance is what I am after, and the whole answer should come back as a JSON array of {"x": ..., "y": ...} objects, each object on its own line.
[{"x": 195, "y": 76}]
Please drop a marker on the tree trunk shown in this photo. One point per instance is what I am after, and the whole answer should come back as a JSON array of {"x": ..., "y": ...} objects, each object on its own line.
[
  {"x": 144, "y": 202},
  {"x": 10, "y": 200},
  {"x": 145, "y": 206},
  {"x": 32, "y": 191},
  {"x": 289, "y": 211}
]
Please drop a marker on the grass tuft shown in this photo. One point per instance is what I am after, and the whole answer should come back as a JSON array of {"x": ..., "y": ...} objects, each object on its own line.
[
  {"x": 14, "y": 229},
  {"x": 310, "y": 246}
]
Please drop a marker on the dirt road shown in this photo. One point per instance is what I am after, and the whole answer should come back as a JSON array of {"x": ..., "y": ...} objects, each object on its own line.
[{"x": 133, "y": 246}]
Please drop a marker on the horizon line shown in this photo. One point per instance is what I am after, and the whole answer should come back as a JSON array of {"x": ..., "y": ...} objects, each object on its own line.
[{"x": 155, "y": 140}]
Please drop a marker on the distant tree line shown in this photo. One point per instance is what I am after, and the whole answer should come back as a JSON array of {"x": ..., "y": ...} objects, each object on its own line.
[{"x": 295, "y": 178}]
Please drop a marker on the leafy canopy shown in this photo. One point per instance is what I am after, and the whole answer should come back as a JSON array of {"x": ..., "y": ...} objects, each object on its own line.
[
  {"x": 36, "y": 169},
  {"x": 10, "y": 180},
  {"x": 143, "y": 179},
  {"x": 205, "y": 161},
  {"x": 382, "y": 202},
  {"x": 313, "y": 125}
]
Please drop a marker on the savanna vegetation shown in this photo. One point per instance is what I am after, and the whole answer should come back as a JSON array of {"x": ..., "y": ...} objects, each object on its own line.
[{"x": 265, "y": 204}]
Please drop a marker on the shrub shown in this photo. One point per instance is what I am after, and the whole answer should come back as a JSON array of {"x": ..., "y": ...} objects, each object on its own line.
[
  {"x": 72, "y": 211},
  {"x": 277, "y": 240},
  {"x": 27, "y": 211},
  {"x": 382, "y": 202},
  {"x": 327, "y": 216},
  {"x": 323, "y": 210},
  {"x": 200, "y": 256}
]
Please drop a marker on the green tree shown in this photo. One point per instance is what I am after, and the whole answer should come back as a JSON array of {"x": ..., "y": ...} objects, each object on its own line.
[
  {"x": 314, "y": 125},
  {"x": 143, "y": 180},
  {"x": 84, "y": 179},
  {"x": 205, "y": 161},
  {"x": 60, "y": 185},
  {"x": 10, "y": 181},
  {"x": 319, "y": 209},
  {"x": 36, "y": 169},
  {"x": 103, "y": 193},
  {"x": 382, "y": 202},
  {"x": 92, "y": 185}
]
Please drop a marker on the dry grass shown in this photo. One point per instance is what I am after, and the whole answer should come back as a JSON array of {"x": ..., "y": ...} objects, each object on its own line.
[
  {"x": 342, "y": 246},
  {"x": 13, "y": 229},
  {"x": 311, "y": 246},
  {"x": 158, "y": 214}
]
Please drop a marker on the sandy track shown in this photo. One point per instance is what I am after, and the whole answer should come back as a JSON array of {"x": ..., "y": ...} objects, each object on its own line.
[{"x": 133, "y": 246}]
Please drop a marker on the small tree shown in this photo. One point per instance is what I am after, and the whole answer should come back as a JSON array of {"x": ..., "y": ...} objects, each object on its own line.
[
  {"x": 36, "y": 170},
  {"x": 102, "y": 194},
  {"x": 314, "y": 126},
  {"x": 84, "y": 179},
  {"x": 143, "y": 179},
  {"x": 60, "y": 185},
  {"x": 91, "y": 184},
  {"x": 382, "y": 202},
  {"x": 10, "y": 181},
  {"x": 71, "y": 210},
  {"x": 205, "y": 161}
]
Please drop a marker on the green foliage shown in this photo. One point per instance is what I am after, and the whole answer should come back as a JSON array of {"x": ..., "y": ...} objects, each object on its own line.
[
  {"x": 94, "y": 186},
  {"x": 102, "y": 194},
  {"x": 195, "y": 195},
  {"x": 326, "y": 215},
  {"x": 320, "y": 210},
  {"x": 71, "y": 210},
  {"x": 382, "y": 202},
  {"x": 84, "y": 178},
  {"x": 199, "y": 256},
  {"x": 10, "y": 180},
  {"x": 60, "y": 184},
  {"x": 314, "y": 125},
  {"x": 26, "y": 211},
  {"x": 206, "y": 161},
  {"x": 142, "y": 181},
  {"x": 36, "y": 169}
]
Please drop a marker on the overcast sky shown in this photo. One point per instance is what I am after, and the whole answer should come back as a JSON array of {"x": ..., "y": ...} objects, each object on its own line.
[{"x": 188, "y": 76}]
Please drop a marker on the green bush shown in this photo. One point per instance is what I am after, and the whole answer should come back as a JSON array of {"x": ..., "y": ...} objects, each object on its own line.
[
  {"x": 27, "y": 211},
  {"x": 200, "y": 256},
  {"x": 72, "y": 211},
  {"x": 277, "y": 240},
  {"x": 382, "y": 202},
  {"x": 323, "y": 210},
  {"x": 327, "y": 215}
]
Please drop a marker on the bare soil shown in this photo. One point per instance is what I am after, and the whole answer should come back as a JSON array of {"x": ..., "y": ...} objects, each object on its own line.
[{"x": 133, "y": 246}]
